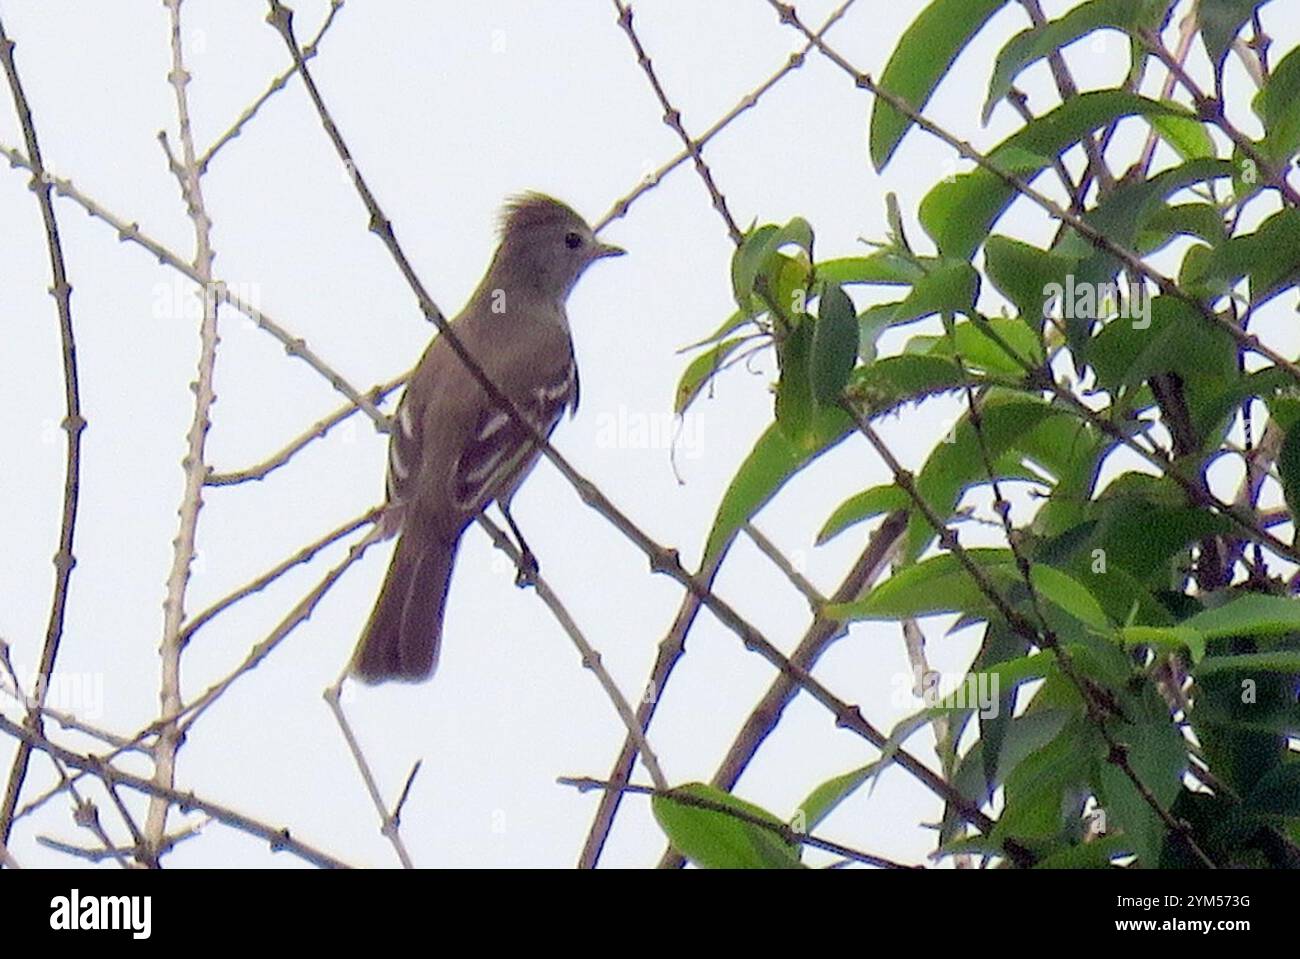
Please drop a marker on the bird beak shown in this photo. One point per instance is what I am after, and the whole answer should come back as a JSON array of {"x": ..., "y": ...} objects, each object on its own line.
[{"x": 603, "y": 250}]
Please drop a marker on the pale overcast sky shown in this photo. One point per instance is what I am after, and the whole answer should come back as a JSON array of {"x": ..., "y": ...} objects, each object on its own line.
[{"x": 448, "y": 108}]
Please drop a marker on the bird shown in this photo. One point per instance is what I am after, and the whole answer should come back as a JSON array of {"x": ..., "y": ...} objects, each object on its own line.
[{"x": 453, "y": 450}]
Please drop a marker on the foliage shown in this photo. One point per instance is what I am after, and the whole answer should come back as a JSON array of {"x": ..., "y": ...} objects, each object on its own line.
[{"x": 1140, "y": 626}]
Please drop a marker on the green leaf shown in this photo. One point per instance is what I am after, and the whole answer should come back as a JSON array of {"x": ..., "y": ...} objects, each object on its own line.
[
  {"x": 1097, "y": 854},
  {"x": 1276, "y": 661},
  {"x": 795, "y": 407},
  {"x": 873, "y": 321},
  {"x": 1186, "y": 134},
  {"x": 925, "y": 52},
  {"x": 1069, "y": 594},
  {"x": 1141, "y": 524},
  {"x": 951, "y": 288},
  {"x": 1024, "y": 736},
  {"x": 884, "y": 268},
  {"x": 1288, "y": 468},
  {"x": 1000, "y": 646},
  {"x": 700, "y": 371},
  {"x": 1022, "y": 273},
  {"x": 1122, "y": 215},
  {"x": 769, "y": 466},
  {"x": 729, "y": 326},
  {"x": 887, "y": 384},
  {"x": 959, "y": 214},
  {"x": 1157, "y": 755},
  {"x": 756, "y": 254},
  {"x": 1022, "y": 669},
  {"x": 860, "y": 507},
  {"x": 1039, "y": 41},
  {"x": 939, "y": 584},
  {"x": 1221, "y": 21},
  {"x": 1172, "y": 338},
  {"x": 1283, "y": 404},
  {"x": 958, "y": 463},
  {"x": 1247, "y": 178},
  {"x": 1278, "y": 792},
  {"x": 1253, "y": 614},
  {"x": 1269, "y": 258},
  {"x": 1037, "y": 788},
  {"x": 1165, "y": 222},
  {"x": 984, "y": 345},
  {"x": 715, "y": 840},
  {"x": 821, "y": 802},
  {"x": 834, "y": 346},
  {"x": 1278, "y": 107},
  {"x": 747, "y": 261},
  {"x": 1170, "y": 638}
]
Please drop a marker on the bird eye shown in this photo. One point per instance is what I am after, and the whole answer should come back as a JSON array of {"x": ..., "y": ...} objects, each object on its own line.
[{"x": 573, "y": 240}]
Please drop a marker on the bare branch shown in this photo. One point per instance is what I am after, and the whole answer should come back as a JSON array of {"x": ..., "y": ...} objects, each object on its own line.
[
  {"x": 279, "y": 839},
  {"x": 73, "y": 424},
  {"x": 318, "y": 430},
  {"x": 590, "y": 656},
  {"x": 390, "y": 826},
  {"x": 194, "y": 464},
  {"x": 304, "y": 555},
  {"x": 673, "y": 117},
  {"x": 130, "y": 232},
  {"x": 277, "y": 84}
]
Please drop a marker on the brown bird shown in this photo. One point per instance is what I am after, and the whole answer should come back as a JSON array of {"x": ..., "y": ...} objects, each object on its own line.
[{"x": 453, "y": 451}]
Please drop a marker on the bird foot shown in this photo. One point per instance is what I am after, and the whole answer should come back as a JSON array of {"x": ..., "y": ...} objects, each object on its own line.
[{"x": 527, "y": 570}]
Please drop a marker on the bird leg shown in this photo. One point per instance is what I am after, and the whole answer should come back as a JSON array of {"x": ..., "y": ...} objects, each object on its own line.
[{"x": 527, "y": 564}]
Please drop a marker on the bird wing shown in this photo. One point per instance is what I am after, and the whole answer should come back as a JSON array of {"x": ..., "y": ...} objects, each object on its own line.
[
  {"x": 405, "y": 445},
  {"x": 499, "y": 450}
]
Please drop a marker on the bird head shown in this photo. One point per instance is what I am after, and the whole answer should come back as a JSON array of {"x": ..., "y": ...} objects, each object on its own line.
[{"x": 546, "y": 245}]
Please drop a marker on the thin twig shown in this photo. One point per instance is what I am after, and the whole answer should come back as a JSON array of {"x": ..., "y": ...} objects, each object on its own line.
[
  {"x": 300, "y": 557},
  {"x": 299, "y": 614},
  {"x": 881, "y": 547},
  {"x": 389, "y": 825},
  {"x": 673, "y": 117},
  {"x": 73, "y": 424},
  {"x": 591, "y": 658},
  {"x": 1068, "y": 89},
  {"x": 800, "y": 582},
  {"x": 316, "y": 431},
  {"x": 194, "y": 464},
  {"x": 1211, "y": 109},
  {"x": 747, "y": 102},
  {"x": 99, "y": 855},
  {"x": 65, "y": 720},
  {"x": 294, "y": 618},
  {"x": 277, "y": 84},
  {"x": 219, "y": 290},
  {"x": 787, "y": 833},
  {"x": 280, "y": 839}
]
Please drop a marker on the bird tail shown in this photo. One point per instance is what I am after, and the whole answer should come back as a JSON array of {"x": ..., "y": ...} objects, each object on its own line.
[{"x": 402, "y": 638}]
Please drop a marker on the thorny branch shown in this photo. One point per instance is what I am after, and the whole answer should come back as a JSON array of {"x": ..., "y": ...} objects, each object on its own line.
[{"x": 73, "y": 424}]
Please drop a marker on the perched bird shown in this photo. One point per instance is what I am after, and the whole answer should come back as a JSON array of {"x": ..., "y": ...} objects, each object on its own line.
[{"x": 453, "y": 451}]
